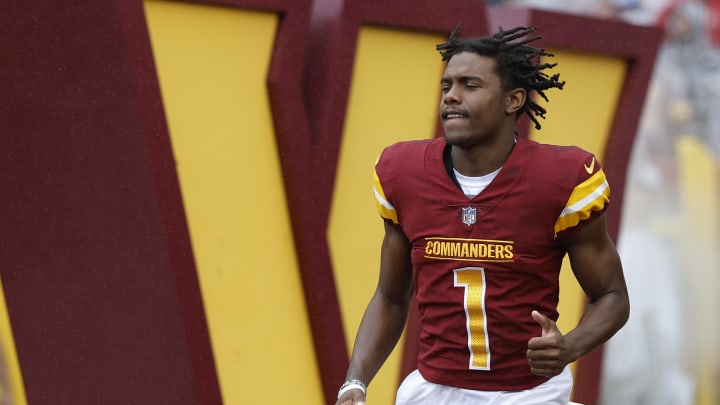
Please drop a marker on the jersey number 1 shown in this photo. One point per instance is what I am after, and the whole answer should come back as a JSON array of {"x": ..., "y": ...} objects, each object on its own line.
[{"x": 472, "y": 279}]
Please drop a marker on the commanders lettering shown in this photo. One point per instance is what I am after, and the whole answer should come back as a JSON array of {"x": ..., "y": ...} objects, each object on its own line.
[{"x": 469, "y": 249}]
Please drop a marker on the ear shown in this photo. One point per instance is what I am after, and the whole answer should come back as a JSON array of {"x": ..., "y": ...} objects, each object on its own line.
[{"x": 514, "y": 100}]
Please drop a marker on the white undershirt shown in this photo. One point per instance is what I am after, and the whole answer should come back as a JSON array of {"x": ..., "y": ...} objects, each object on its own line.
[{"x": 473, "y": 186}]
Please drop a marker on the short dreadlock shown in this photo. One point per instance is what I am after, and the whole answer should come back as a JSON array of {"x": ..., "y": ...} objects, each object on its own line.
[{"x": 517, "y": 64}]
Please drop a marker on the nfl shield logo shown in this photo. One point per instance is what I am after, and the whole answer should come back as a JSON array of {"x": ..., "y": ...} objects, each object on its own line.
[{"x": 469, "y": 215}]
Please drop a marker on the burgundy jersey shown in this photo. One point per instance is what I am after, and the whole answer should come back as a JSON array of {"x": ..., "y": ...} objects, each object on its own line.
[{"x": 482, "y": 265}]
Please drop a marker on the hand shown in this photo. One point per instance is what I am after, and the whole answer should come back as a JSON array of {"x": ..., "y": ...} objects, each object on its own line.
[
  {"x": 548, "y": 354},
  {"x": 352, "y": 397}
]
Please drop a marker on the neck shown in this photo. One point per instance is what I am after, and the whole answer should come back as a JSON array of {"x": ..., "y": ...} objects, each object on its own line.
[{"x": 482, "y": 159}]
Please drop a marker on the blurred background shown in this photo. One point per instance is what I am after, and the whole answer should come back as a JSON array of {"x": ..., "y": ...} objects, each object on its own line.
[{"x": 186, "y": 189}]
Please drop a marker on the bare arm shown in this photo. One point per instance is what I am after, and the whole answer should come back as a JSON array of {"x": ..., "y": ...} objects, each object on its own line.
[
  {"x": 385, "y": 315},
  {"x": 597, "y": 267}
]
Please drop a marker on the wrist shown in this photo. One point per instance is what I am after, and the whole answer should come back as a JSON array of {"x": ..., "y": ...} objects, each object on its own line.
[
  {"x": 574, "y": 351},
  {"x": 353, "y": 384}
]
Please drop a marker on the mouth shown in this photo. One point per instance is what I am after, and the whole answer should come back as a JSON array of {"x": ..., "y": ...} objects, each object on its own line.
[{"x": 451, "y": 115}]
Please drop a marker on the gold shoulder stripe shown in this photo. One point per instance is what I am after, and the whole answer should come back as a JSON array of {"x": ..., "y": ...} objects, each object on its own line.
[
  {"x": 591, "y": 195},
  {"x": 385, "y": 209}
]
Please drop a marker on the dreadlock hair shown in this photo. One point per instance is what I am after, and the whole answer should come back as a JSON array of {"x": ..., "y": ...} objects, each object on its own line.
[{"x": 517, "y": 64}]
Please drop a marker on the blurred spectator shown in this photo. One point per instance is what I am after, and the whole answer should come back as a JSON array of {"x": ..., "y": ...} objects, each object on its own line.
[
  {"x": 688, "y": 77},
  {"x": 714, "y": 21},
  {"x": 650, "y": 361}
]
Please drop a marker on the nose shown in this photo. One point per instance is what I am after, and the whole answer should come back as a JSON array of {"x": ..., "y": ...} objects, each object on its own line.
[{"x": 451, "y": 96}]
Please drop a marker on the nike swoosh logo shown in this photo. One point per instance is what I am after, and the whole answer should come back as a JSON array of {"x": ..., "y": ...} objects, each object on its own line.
[{"x": 590, "y": 168}]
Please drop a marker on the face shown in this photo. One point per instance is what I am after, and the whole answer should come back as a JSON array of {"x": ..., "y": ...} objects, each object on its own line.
[{"x": 474, "y": 108}]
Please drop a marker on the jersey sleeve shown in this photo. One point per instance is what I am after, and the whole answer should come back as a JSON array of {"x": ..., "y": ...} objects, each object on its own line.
[
  {"x": 588, "y": 199},
  {"x": 384, "y": 207},
  {"x": 397, "y": 170}
]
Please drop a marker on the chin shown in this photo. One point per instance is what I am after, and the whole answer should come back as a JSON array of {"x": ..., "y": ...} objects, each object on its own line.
[{"x": 456, "y": 139}]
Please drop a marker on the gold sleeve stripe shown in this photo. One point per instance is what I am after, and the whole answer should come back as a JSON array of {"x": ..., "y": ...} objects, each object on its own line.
[
  {"x": 591, "y": 195},
  {"x": 384, "y": 207}
]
